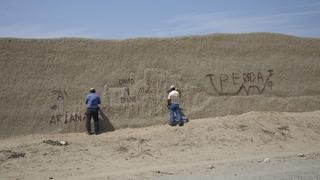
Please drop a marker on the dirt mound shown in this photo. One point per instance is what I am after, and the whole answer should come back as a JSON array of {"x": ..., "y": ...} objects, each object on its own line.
[
  {"x": 44, "y": 82},
  {"x": 233, "y": 144}
]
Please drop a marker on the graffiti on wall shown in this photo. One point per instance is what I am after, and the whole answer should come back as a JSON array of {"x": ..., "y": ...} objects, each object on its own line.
[
  {"x": 127, "y": 97},
  {"x": 143, "y": 97},
  {"x": 59, "y": 94},
  {"x": 126, "y": 82},
  {"x": 132, "y": 94},
  {"x": 58, "y": 118},
  {"x": 144, "y": 91},
  {"x": 235, "y": 83}
]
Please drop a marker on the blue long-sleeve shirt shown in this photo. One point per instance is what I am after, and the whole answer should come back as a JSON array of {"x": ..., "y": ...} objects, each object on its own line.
[{"x": 92, "y": 101}]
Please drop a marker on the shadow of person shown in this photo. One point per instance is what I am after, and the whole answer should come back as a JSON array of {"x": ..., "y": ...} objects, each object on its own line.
[
  {"x": 104, "y": 123},
  {"x": 183, "y": 116}
]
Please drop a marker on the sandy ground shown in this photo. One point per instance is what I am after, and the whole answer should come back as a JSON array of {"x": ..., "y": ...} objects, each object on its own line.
[{"x": 230, "y": 147}]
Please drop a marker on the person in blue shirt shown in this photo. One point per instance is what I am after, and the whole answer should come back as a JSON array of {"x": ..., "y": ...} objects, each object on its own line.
[{"x": 92, "y": 102}]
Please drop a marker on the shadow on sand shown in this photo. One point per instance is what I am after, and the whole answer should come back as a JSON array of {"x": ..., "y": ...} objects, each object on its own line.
[
  {"x": 104, "y": 123},
  {"x": 183, "y": 116}
]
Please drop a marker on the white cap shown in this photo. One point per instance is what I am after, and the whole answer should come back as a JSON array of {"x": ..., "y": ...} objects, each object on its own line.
[
  {"x": 172, "y": 86},
  {"x": 92, "y": 89}
]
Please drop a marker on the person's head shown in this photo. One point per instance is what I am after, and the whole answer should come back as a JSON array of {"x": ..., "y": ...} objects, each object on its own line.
[
  {"x": 92, "y": 90},
  {"x": 172, "y": 88}
]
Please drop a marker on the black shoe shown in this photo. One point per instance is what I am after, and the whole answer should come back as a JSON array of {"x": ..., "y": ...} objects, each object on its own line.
[
  {"x": 174, "y": 124},
  {"x": 96, "y": 133},
  {"x": 181, "y": 124},
  {"x": 89, "y": 133}
]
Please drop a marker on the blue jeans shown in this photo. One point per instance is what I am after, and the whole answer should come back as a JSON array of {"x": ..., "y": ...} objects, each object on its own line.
[{"x": 175, "y": 115}]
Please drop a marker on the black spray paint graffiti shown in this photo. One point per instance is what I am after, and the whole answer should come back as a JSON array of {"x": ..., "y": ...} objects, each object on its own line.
[
  {"x": 247, "y": 82},
  {"x": 127, "y": 98},
  {"x": 143, "y": 91},
  {"x": 130, "y": 99},
  {"x": 126, "y": 82},
  {"x": 63, "y": 118},
  {"x": 61, "y": 94},
  {"x": 66, "y": 118},
  {"x": 54, "y": 107}
]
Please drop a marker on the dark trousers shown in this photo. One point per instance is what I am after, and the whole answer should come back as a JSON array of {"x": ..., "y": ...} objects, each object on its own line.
[{"x": 92, "y": 113}]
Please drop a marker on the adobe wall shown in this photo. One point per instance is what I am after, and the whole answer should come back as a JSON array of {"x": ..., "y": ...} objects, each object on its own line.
[{"x": 44, "y": 82}]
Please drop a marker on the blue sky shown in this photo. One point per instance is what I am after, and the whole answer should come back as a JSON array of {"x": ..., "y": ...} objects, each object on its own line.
[{"x": 121, "y": 19}]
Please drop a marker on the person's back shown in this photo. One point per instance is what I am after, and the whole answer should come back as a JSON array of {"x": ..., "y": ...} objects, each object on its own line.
[
  {"x": 93, "y": 101},
  {"x": 174, "y": 97}
]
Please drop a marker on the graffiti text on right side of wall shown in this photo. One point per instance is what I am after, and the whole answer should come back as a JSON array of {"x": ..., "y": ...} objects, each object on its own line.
[{"x": 236, "y": 83}]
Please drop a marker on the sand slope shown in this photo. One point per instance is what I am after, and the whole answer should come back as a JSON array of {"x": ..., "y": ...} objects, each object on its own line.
[
  {"x": 44, "y": 82},
  {"x": 235, "y": 145}
]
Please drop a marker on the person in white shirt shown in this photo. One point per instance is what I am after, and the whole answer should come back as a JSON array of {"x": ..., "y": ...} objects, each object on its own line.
[{"x": 173, "y": 105}]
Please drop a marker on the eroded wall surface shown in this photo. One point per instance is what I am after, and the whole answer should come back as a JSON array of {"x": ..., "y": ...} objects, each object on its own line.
[{"x": 44, "y": 82}]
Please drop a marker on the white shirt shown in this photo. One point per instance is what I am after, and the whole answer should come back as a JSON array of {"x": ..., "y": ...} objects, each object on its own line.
[{"x": 174, "y": 97}]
